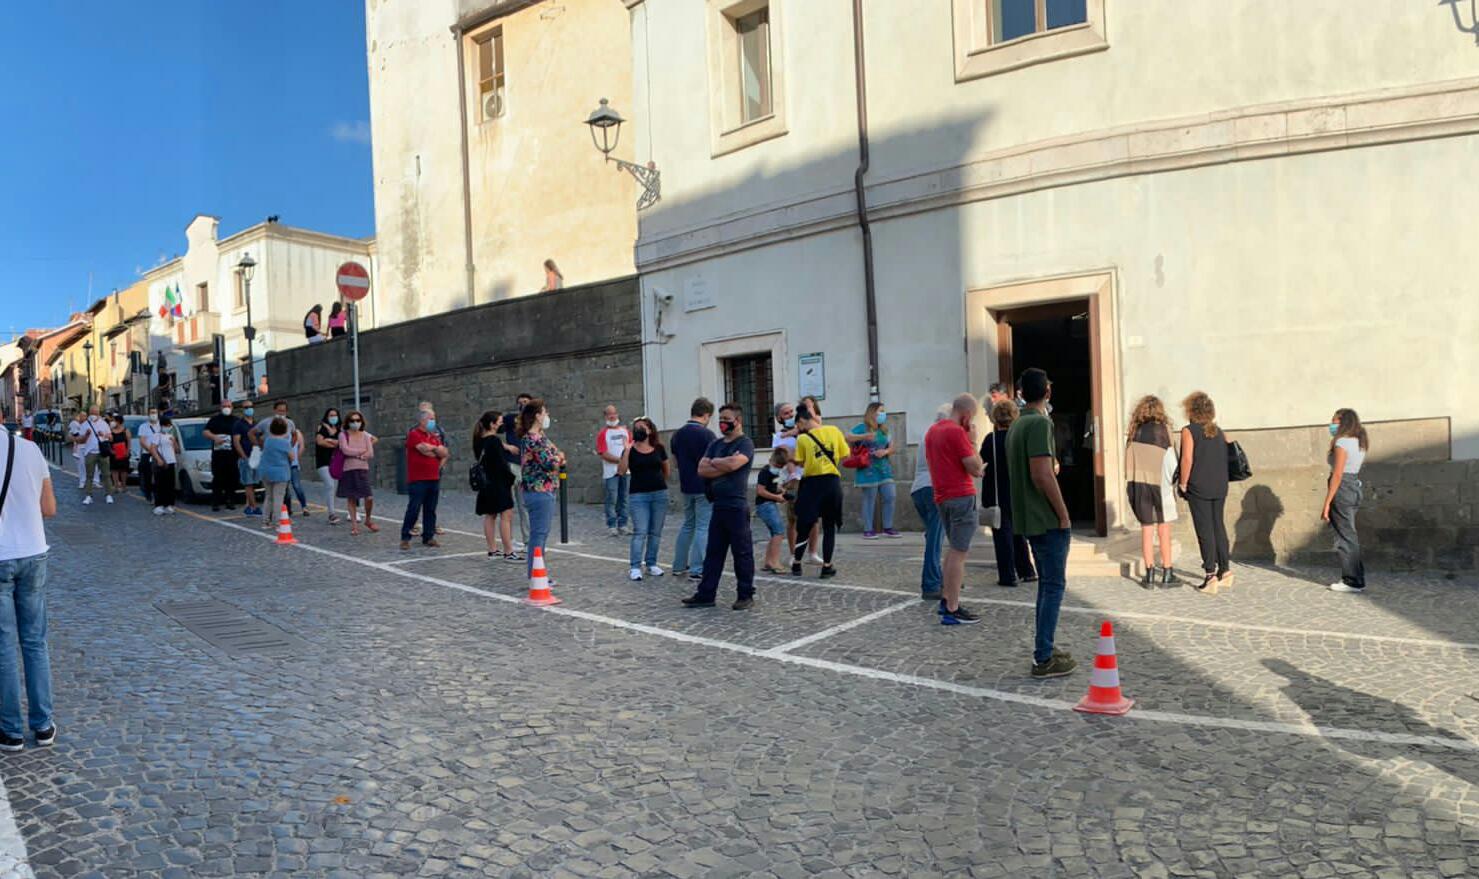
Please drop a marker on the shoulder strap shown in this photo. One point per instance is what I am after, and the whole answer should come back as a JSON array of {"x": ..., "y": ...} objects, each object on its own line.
[
  {"x": 824, "y": 450},
  {"x": 9, "y": 468}
]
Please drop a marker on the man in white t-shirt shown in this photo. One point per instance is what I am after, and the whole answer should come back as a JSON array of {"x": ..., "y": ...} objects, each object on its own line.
[
  {"x": 611, "y": 440},
  {"x": 25, "y": 501},
  {"x": 28, "y": 424},
  {"x": 97, "y": 455},
  {"x": 147, "y": 434},
  {"x": 78, "y": 435}
]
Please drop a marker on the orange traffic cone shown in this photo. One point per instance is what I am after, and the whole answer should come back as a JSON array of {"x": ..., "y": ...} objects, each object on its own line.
[
  {"x": 1104, "y": 681},
  {"x": 285, "y": 528},
  {"x": 539, "y": 594}
]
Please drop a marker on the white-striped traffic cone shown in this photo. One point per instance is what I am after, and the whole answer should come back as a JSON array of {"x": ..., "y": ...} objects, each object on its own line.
[
  {"x": 1104, "y": 696},
  {"x": 285, "y": 528}
]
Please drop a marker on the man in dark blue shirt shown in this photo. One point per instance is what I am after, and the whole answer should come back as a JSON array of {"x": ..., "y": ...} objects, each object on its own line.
[
  {"x": 726, "y": 468},
  {"x": 689, "y": 444}
]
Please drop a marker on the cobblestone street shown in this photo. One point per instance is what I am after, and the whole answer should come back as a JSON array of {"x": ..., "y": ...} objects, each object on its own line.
[{"x": 397, "y": 714}]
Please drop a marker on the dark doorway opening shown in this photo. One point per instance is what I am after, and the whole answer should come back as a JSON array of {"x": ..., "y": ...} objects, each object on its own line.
[{"x": 1056, "y": 338}]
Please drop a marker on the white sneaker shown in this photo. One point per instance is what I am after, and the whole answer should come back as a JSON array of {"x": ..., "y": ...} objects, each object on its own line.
[
  {"x": 636, "y": 574},
  {"x": 614, "y": 532},
  {"x": 1343, "y": 586},
  {"x": 87, "y": 501},
  {"x": 109, "y": 498},
  {"x": 159, "y": 511},
  {"x": 655, "y": 571},
  {"x": 816, "y": 559},
  {"x": 170, "y": 509}
]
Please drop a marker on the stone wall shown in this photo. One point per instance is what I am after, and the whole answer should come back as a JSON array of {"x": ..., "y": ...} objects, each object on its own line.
[{"x": 579, "y": 349}]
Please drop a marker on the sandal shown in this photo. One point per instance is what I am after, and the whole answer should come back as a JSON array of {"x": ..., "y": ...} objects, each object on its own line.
[
  {"x": 353, "y": 530},
  {"x": 1208, "y": 585},
  {"x": 372, "y": 526},
  {"x": 333, "y": 520}
]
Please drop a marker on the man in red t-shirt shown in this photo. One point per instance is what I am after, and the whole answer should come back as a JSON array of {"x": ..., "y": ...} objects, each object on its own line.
[
  {"x": 425, "y": 453},
  {"x": 950, "y": 451}
]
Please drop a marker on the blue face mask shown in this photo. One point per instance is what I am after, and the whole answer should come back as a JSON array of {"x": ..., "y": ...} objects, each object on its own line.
[
  {"x": 789, "y": 423},
  {"x": 1334, "y": 429},
  {"x": 333, "y": 419},
  {"x": 431, "y": 425}
]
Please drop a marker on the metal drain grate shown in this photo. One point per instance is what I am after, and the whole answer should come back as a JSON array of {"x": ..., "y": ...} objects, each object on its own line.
[{"x": 230, "y": 628}]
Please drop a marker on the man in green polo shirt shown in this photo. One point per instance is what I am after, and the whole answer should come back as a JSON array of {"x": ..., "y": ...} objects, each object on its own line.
[{"x": 1039, "y": 514}]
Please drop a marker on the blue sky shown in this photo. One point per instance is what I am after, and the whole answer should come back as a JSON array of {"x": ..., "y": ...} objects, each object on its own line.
[{"x": 121, "y": 121}]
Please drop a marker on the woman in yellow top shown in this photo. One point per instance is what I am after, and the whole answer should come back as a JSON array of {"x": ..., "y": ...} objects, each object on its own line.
[{"x": 820, "y": 449}]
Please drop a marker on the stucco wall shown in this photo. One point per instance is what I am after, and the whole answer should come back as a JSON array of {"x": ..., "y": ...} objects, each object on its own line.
[{"x": 539, "y": 189}]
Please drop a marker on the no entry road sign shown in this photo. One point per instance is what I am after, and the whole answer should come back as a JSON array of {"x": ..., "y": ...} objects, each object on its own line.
[{"x": 354, "y": 281}]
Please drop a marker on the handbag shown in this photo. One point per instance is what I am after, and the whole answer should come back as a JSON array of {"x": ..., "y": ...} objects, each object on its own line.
[
  {"x": 1237, "y": 463},
  {"x": 120, "y": 451},
  {"x": 336, "y": 464},
  {"x": 254, "y": 460},
  {"x": 860, "y": 458},
  {"x": 991, "y": 516}
]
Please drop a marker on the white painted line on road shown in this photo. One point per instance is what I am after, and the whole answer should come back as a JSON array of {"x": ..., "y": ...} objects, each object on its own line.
[
  {"x": 838, "y": 629},
  {"x": 437, "y": 558},
  {"x": 1097, "y": 611},
  {"x": 13, "y": 861},
  {"x": 1300, "y": 729}
]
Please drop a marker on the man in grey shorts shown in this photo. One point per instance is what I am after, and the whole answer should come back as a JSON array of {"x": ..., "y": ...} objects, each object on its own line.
[{"x": 951, "y": 453}]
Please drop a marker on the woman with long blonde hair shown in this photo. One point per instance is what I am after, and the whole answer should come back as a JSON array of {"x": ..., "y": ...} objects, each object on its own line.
[
  {"x": 1150, "y": 469},
  {"x": 1203, "y": 481}
]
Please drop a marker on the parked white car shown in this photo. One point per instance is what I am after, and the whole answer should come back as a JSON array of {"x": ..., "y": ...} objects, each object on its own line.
[{"x": 194, "y": 467}]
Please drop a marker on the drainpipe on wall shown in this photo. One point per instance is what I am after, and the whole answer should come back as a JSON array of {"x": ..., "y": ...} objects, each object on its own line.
[
  {"x": 457, "y": 32},
  {"x": 868, "y": 287}
]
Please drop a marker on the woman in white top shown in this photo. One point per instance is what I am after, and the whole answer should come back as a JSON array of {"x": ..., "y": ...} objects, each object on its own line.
[{"x": 1348, "y": 445}]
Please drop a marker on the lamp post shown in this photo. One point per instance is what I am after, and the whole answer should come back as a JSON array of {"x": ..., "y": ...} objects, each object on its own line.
[
  {"x": 607, "y": 123},
  {"x": 248, "y": 267},
  {"x": 87, "y": 354}
]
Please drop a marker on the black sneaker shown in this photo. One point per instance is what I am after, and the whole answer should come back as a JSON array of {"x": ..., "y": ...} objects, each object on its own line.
[
  {"x": 1056, "y": 667},
  {"x": 696, "y": 601},
  {"x": 742, "y": 604},
  {"x": 1030, "y": 579},
  {"x": 45, "y": 737},
  {"x": 795, "y": 569},
  {"x": 958, "y": 617},
  {"x": 696, "y": 576},
  {"x": 828, "y": 572},
  {"x": 7, "y": 743},
  {"x": 930, "y": 596},
  {"x": 1006, "y": 585}
]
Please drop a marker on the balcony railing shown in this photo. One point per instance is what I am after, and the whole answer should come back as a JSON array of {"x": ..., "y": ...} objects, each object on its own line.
[{"x": 196, "y": 330}]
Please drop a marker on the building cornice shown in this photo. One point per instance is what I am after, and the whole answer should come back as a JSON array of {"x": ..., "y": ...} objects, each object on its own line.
[
  {"x": 295, "y": 234},
  {"x": 1432, "y": 110},
  {"x": 495, "y": 11}
]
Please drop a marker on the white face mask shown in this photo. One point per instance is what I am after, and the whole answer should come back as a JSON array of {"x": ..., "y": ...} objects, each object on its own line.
[
  {"x": 613, "y": 422},
  {"x": 544, "y": 422},
  {"x": 225, "y": 411},
  {"x": 153, "y": 419}
]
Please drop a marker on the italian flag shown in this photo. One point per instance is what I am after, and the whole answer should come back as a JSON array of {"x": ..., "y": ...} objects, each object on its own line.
[{"x": 171, "y": 304}]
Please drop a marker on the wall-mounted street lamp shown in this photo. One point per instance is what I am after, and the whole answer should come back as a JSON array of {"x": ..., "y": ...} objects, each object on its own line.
[
  {"x": 607, "y": 122},
  {"x": 1472, "y": 26}
]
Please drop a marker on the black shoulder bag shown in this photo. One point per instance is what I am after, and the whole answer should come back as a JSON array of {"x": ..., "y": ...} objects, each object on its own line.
[
  {"x": 477, "y": 477},
  {"x": 827, "y": 453}
]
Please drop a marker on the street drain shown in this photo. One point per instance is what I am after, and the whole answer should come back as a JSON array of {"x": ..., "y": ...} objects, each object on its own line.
[{"x": 230, "y": 628}]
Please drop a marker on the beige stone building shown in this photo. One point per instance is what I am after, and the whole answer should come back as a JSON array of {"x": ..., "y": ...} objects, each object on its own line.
[
  {"x": 483, "y": 168},
  {"x": 1269, "y": 202}
]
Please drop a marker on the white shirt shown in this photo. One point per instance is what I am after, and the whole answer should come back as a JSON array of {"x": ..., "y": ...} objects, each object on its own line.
[
  {"x": 79, "y": 429},
  {"x": 612, "y": 441},
  {"x": 146, "y": 434},
  {"x": 29, "y": 421},
  {"x": 166, "y": 444},
  {"x": 22, "y": 534}
]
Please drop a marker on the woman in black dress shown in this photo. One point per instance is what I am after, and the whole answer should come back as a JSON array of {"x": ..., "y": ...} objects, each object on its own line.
[
  {"x": 1203, "y": 481},
  {"x": 496, "y": 501}
]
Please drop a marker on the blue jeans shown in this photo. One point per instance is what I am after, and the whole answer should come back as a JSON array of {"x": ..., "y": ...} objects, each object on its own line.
[
  {"x": 931, "y": 577},
  {"x": 23, "y": 613},
  {"x": 616, "y": 502},
  {"x": 297, "y": 483},
  {"x": 693, "y": 537},
  {"x": 649, "y": 511},
  {"x": 541, "y": 507},
  {"x": 421, "y": 498},
  {"x": 1051, "y": 552},
  {"x": 871, "y": 495}
]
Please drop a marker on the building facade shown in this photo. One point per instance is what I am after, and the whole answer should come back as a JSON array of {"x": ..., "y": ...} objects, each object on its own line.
[
  {"x": 1136, "y": 198},
  {"x": 202, "y": 294},
  {"x": 483, "y": 168}
]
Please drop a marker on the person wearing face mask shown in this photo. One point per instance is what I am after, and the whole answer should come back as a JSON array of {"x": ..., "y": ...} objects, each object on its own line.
[
  {"x": 495, "y": 501},
  {"x": 1040, "y": 514},
  {"x": 259, "y": 433},
  {"x": 276, "y": 467},
  {"x": 325, "y": 441},
  {"x": 611, "y": 440},
  {"x": 1348, "y": 445},
  {"x": 121, "y": 441},
  {"x": 224, "y": 473},
  {"x": 242, "y": 445},
  {"x": 425, "y": 453},
  {"x": 539, "y": 475},
  {"x": 876, "y": 481},
  {"x": 785, "y": 438},
  {"x": 645, "y": 461},
  {"x": 726, "y": 469},
  {"x": 1203, "y": 482},
  {"x": 820, "y": 449},
  {"x": 357, "y": 446},
  {"x": 147, "y": 436},
  {"x": 769, "y": 498},
  {"x": 164, "y": 451}
]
